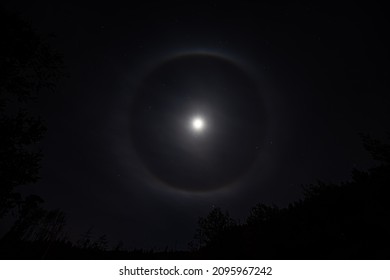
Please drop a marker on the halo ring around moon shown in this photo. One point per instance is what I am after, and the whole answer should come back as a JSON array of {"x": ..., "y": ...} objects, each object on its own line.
[{"x": 147, "y": 158}]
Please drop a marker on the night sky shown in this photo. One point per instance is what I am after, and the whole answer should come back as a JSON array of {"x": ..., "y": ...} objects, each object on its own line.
[{"x": 169, "y": 110}]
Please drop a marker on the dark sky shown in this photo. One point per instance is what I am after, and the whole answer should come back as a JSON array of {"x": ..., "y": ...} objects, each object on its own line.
[{"x": 283, "y": 92}]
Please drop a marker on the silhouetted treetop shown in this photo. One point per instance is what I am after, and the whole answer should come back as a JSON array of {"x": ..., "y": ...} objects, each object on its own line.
[
  {"x": 379, "y": 151},
  {"x": 27, "y": 63},
  {"x": 214, "y": 224}
]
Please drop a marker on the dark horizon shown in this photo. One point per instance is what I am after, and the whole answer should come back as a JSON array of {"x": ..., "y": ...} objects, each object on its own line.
[{"x": 282, "y": 93}]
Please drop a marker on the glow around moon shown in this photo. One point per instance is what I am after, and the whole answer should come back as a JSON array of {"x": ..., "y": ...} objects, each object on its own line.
[
  {"x": 200, "y": 135},
  {"x": 197, "y": 124}
]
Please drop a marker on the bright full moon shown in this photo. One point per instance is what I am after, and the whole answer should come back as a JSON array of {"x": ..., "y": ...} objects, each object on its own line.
[{"x": 197, "y": 124}]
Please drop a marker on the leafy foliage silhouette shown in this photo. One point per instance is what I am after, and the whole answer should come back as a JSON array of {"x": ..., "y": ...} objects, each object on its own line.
[{"x": 28, "y": 67}]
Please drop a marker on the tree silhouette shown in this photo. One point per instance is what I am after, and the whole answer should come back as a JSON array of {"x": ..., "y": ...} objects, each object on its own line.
[
  {"x": 379, "y": 151},
  {"x": 27, "y": 68},
  {"x": 212, "y": 226}
]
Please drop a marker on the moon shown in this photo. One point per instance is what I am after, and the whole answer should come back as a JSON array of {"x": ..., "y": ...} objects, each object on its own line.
[
  {"x": 198, "y": 124},
  {"x": 208, "y": 116}
]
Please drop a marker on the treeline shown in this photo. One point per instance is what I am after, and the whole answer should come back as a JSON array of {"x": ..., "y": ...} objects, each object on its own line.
[{"x": 333, "y": 221}]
